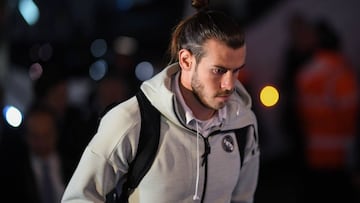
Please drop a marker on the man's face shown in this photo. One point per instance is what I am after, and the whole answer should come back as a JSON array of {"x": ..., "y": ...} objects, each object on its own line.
[{"x": 213, "y": 78}]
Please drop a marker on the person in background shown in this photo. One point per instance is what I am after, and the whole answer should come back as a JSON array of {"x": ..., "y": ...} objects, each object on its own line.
[
  {"x": 110, "y": 90},
  {"x": 52, "y": 89},
  {"x": 32, "y": 164},
  {"x": 328, "y": 104},
  {"x": 201, "y": 103}
]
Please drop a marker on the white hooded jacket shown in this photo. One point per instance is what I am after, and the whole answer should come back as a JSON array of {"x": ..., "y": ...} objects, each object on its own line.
[{"x": 172, "y": 176}]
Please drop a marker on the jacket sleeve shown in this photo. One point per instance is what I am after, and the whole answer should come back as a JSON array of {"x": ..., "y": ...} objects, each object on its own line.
[
  {"x": 247, "y": 181},
  {"x": 88, "y": 181},
  {"x": 105, "y": 159}
]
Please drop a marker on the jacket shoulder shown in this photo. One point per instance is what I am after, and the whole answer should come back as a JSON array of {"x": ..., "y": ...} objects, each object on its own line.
[{"x": 120, "y": 125}]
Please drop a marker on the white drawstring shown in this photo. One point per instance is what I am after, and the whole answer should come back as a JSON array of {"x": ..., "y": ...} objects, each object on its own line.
[{"x": 196, "y": 195}]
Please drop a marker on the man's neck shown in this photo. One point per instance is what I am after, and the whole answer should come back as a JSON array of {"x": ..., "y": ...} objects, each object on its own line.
[{"x": 200, "y": 111}]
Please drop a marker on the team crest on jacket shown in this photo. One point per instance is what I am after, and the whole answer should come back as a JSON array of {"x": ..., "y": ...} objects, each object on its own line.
[{"x": 228, "y": 143}]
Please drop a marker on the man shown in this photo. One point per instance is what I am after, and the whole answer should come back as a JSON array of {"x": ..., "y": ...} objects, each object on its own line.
[
  {"x": 201, "y": 104},
  {"x": 32, "y": 164}
]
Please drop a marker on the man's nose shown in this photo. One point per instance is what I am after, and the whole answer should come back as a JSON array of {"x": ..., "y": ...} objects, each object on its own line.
[{"x": 228, "y": 81}]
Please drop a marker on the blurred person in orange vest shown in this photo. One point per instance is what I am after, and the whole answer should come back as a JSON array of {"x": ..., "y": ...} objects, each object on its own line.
[{"x": 328, "y": 104}]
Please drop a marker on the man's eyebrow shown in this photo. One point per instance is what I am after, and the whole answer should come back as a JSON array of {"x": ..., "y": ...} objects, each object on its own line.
[
  {"x": 238, "y": 68},
  {"x": 242, "y": 66}
]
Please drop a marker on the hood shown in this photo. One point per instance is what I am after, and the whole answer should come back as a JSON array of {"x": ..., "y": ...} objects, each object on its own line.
[{"x": 158, "y": 91}]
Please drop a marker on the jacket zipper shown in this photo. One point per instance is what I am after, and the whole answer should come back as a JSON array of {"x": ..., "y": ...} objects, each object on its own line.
[
  {"x": 205, "y": 158},
  {"x": 205, "y": 162},
  {"x": 206, "y": 153}
]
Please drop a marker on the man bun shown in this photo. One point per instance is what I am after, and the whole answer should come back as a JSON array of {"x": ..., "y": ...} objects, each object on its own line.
[{"x": 200, "y": 4}]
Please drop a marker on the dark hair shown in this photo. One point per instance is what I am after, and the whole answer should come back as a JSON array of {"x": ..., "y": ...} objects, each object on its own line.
[{"x": 192, "y": 32}]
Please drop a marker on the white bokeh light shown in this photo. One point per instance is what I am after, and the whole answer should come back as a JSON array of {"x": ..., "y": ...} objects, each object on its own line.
[{"x": 13, "y": 116}]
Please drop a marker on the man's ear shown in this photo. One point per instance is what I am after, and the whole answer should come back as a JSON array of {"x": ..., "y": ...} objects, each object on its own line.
[{"x": 185, "y": 59}]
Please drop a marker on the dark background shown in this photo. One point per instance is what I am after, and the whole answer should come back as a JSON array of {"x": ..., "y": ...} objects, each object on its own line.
[{"x": 69, "y": 27}]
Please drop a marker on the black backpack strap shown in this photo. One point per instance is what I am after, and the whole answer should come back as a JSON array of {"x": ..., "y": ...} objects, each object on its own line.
[
  {"x": 148, "y": 141},
  {"x": 242, "y": 138},
  {"x": 147, "y": 148}
]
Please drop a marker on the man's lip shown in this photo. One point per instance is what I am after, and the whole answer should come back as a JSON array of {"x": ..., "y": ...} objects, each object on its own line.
[{"x": 224, "y": 95}]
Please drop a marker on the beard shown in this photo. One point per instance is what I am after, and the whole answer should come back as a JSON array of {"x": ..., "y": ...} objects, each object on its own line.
[{"x": 200, "y": 95}]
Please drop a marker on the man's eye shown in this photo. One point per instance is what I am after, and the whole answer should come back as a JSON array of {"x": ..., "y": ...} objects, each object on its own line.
[{"x": 219, "y": 70}]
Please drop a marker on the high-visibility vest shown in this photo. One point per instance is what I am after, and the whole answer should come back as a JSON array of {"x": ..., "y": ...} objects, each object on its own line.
[{"x": 328, "y": 105}]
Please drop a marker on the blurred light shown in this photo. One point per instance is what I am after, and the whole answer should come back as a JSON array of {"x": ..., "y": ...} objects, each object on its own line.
[
  {"x": 29, "y": 11},
  {"x": 45, "y": 52},
  {"x": 125, "y": 45},
  {"x": 269, "y": 96},
  {"x": 124, "y": 4},
  {"x": 98, "y": 47},
  {"x": 144, "y": 71},
  {"x": 35, "y": 71},
  {"x": 98, "y": 69},
  {"x": 79, "y": 90},
  {"x": 12, "y": 116}
]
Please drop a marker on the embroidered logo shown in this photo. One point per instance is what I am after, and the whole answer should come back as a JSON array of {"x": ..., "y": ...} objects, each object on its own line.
[{"x": 228, "y": 143}]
